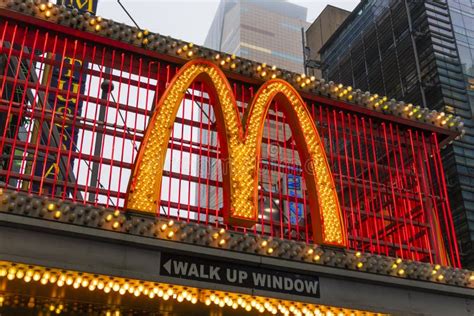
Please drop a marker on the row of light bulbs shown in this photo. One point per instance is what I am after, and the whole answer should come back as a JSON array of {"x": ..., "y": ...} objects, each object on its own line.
[
  {"x": 194, "y": 233},
  {"x": 51, "y": 306},
  {"x": 165, "y": 292},
  {"x": 87, "y": 22}
]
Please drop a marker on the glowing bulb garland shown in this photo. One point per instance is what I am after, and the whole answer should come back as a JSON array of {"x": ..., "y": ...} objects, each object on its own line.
[
  {"x": 21, "y": 204},
  {"x": 161, "y": 291}
]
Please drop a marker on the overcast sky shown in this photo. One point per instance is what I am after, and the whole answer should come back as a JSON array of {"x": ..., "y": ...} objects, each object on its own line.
[{"x": 189, "y": 20}]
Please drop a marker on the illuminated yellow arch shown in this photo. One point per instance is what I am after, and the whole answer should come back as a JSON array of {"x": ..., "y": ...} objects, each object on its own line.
[{"x": 240, "y": 151}]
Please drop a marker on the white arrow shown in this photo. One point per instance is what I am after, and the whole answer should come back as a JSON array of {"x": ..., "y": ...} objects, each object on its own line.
[{"x": 167, "y": 266}]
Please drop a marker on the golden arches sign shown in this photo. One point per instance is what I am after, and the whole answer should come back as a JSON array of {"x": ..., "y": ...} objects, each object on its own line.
[{"x": 240, "y": 145}]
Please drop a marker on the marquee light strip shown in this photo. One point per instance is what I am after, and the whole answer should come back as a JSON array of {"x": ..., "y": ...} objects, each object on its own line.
[
  {"x": 22, "y": 204},
  {"x": 241, "y": 153},
  {"x": 162, "y": 291}
]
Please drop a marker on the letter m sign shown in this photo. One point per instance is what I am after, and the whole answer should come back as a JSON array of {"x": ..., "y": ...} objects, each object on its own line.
[{"x": 81, "y": 5}]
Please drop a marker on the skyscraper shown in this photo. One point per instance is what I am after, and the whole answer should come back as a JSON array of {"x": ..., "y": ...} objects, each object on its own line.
[
  {"x": 267, "y": 32},
  {"x": 264, "y": 31},
  {"x": 419, "y": 52}
]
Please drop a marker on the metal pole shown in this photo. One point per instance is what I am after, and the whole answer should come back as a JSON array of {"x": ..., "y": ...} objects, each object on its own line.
[
  {"x": 304, "y": 51},
  {"x": 107, "y": 88}
]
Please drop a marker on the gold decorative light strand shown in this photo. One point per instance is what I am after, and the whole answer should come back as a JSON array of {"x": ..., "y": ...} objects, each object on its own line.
[
  {"x": 110, "y": 285},
  {"x": 241, "y": 151}
]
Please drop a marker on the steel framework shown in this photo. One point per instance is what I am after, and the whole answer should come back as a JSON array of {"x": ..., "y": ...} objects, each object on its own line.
[{"x": 389, "y": 175}]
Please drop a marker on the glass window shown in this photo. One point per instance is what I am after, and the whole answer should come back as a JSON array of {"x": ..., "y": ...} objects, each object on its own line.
[
  {"x": 454, "y": 5},
  {"x": 439, "y": 30},
  {"x": 458, "y": 150},
  {"x": 466, "y": 3},
  {"x": 457, "y": 18},
  {"x": 465, "y": 56},
  {"x": 468, "y": 195},
  {"x": 466, "y": 6},
  {"x": 452, "y": 82},
  {"x": 468, "y": 21},
  {"x": 443, "y": 42},
  {"x": 460, "y": 29},
  {"x": 451, "y": 66},
  {"x": 470, "y": 33},
  {"x": 444, "y": 50},
  {"x": 439, "y": 23},
  {"x": 462, "y": 38}
]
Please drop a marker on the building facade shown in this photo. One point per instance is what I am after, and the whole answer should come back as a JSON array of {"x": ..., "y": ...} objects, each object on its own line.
[
  {"x": 462, "y": 19},
  {"x": 417, "y": 51},
  {"x": 327, "y": 22},
  {"x": 342, "y": 211},
  {"x": 264, "y": 31}
]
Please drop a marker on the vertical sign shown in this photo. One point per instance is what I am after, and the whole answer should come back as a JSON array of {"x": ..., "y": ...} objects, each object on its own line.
[
  {"x": 71, "y": 79},
  {"x": 294, "y": 189}
]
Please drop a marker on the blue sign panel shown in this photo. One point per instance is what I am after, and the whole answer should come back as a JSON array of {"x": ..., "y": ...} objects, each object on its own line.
[{"x": 295, "y": 189}]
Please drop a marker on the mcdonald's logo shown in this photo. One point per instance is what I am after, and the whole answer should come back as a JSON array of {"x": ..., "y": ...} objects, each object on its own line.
[{"x": 240, "y": 143}]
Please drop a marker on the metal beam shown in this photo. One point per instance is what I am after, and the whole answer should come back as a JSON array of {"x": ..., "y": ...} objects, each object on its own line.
[{"x": 45, "y": 128}]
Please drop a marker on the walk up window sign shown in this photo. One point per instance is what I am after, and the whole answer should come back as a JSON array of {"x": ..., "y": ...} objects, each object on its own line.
[{"x": 249, "y": 277}]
